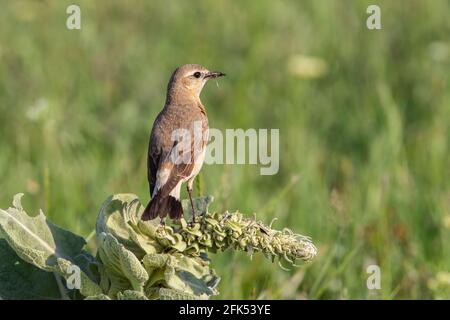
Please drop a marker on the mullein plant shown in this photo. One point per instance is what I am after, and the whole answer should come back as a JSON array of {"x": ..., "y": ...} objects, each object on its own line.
[{"x": 134, "y": 259}]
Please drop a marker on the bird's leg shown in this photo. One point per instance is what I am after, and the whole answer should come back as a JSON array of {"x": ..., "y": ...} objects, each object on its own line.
[
  {"x": 162, "y": 222},
  {"x": 189, "y": 190}
]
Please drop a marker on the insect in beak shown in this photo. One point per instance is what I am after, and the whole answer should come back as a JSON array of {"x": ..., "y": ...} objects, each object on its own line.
[{"x": 213, "y": 74}]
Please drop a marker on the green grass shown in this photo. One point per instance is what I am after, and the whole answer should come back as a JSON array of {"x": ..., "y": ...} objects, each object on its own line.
[{"x": 364, "y": 149}]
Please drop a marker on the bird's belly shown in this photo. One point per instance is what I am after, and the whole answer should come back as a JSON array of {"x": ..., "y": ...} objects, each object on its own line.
[{"x": 198, "y": 163}]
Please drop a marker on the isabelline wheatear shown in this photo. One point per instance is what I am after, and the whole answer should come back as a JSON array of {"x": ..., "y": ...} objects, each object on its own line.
[{"x": 177, "y": 142}]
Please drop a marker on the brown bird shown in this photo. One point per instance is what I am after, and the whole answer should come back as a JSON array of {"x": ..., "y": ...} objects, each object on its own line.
[{"x": 177, "y": 144}]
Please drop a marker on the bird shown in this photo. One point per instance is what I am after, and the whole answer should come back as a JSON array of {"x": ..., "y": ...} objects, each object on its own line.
[{"x": 177, "y": 145}]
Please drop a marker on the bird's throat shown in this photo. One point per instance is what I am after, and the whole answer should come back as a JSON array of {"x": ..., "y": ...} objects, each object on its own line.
[{"x": 185, "y": 96}]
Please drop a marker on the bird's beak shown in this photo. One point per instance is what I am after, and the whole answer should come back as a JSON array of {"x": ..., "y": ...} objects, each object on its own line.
[{"x": 214, "y": 74}]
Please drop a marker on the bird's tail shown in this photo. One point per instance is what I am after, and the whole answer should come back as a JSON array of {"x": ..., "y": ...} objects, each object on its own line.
[{"x": 161, "y": 206}]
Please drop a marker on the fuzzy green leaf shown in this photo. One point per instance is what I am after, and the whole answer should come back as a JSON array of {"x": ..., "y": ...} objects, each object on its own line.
[
  {"x": 35, "y": 239},
  {"x": 200, "y": 205},
  {"x": 131, "y": 295},
  {"x": 121, "y": 263},
  {"x": 171, "y": 294},
  {"x": 44, "y": 245},
  {"x": 120, "y": 216},
  {"x": 22, "y": 280},
  {"x": 98, "y": 297}
]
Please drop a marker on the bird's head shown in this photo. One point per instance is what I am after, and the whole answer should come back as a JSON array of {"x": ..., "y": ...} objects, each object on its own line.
[{"x": 189, "y": 80}]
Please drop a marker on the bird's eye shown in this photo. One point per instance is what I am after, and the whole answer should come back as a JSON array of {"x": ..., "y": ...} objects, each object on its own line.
[{"x": 197, "y": 74}]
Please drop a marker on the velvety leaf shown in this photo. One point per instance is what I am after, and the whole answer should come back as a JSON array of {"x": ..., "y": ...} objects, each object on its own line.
[
  {"x": 131, "y": 295},
  {"x": 171, "y": 294},
  {"x": 98, "y": 297},
  {"x": 44, "y": 245},
  {"x": 22, "y": 280},
  {"x": 200, "y": 205},
  {"x": 121, "y": 263},
  {"x": 120, "y": 216},
  {"x": 35, "y": 239}
]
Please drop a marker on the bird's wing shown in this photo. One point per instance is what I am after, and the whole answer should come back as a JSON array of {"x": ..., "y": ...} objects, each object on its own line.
[
  {"x": 152, "y": 167},
  {"x": 181, "y": 160}
]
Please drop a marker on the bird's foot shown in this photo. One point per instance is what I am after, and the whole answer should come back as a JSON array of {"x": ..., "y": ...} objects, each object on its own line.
[{"x": 193, "y": 220}]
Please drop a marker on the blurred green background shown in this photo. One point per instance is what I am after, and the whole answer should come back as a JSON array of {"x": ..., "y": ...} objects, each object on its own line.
[{"x": 364, "y": 121}]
